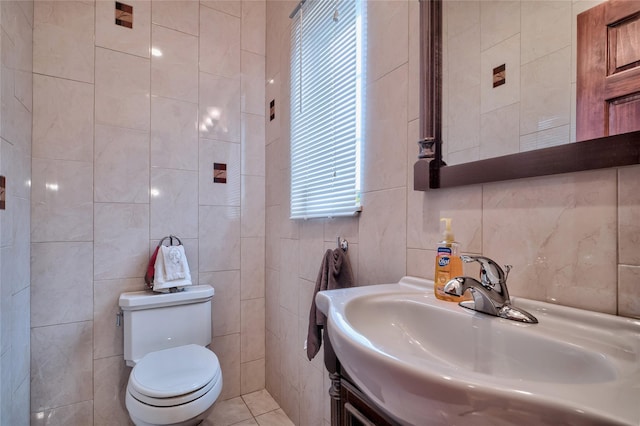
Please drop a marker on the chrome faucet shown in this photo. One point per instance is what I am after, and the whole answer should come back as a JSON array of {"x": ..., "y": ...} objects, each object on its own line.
[{"x": 490, "y": 294}]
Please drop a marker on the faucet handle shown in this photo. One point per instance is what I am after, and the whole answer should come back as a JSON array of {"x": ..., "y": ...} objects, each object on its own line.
[
  {"x": 491, "y": 274},
  {"x": 507, "y": 269}
]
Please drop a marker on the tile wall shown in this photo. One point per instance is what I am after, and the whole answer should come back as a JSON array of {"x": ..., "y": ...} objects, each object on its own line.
[
  {"x": 573, "y": 239},
  {"x": 536, "y": 41},
  {"x": 15, "y": 165},
  {"x": 127, "y": 126}
]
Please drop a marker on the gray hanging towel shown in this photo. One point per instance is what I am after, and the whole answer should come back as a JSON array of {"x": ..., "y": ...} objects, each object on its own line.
[{"x": 335, "y": 272}]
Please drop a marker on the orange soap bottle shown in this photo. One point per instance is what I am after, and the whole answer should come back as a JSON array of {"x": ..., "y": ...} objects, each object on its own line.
[{"x": 448, "y": 263}]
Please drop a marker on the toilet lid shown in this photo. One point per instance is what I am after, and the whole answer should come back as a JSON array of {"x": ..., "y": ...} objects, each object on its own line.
[{"x": 175, "y": 371}]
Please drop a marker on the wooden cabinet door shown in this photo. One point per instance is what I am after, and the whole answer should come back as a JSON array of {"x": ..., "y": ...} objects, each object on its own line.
[{"x": 608, "y": 70}]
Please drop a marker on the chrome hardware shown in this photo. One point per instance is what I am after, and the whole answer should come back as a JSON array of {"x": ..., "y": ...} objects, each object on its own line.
[
  {"x": 119, "y": 318},
  {"x": 490, "y": 294},
  {"x": 343, "y": 243}
]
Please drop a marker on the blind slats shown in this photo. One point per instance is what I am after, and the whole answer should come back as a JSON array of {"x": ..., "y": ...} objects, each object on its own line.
[{"x": 326, "y": 108}]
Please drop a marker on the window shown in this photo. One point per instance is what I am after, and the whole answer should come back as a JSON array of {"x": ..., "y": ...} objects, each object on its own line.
[{"x": 327, "y": 100}]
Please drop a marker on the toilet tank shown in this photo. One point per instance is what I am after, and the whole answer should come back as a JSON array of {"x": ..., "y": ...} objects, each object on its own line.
[{"x": 155, "y": 321}]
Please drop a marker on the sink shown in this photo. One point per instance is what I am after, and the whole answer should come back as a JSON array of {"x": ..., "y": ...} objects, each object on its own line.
[{"x": 426, "y": 361}]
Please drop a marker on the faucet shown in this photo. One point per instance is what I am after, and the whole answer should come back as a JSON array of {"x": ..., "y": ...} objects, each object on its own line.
[{"x": 490, "y": 294}]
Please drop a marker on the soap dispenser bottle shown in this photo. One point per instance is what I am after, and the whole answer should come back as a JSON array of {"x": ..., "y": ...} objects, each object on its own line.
[{"x": 448, "y": 263}]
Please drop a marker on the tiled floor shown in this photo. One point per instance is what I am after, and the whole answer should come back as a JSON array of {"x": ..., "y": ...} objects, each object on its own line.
[{"x": 257, "y": 408}]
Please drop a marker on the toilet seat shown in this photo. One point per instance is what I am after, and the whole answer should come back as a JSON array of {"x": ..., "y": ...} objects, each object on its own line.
[{"x": 174, "y": 376}]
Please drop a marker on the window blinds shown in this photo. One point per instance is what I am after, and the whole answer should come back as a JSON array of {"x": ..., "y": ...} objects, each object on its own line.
[{"x": 327, "y": 100}]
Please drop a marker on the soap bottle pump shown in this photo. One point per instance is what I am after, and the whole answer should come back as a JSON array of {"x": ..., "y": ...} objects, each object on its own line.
[{"x": 448, "y": 263}]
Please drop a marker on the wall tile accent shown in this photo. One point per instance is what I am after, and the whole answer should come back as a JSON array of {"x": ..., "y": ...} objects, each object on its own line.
[
  {"x": 225, "y": 153},
  {"x": 134, "y": 41}
]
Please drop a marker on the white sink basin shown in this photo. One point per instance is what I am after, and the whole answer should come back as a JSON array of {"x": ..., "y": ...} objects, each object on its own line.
[{"x": 426, "y": 361}]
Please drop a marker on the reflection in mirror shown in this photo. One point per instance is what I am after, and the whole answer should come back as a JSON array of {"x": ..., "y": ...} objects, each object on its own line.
[
  {"x": 595, "y": 150},
  {"x": 509, "y": 76}
]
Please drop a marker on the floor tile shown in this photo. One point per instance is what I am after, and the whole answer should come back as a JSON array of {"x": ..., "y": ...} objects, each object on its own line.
[
  {"x": 260, "y": 402},
  {"x": 274, "y": 418},
  {"x": 229, "y": 412}
]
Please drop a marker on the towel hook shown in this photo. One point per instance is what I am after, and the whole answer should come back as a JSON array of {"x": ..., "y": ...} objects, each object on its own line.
[{"x": 343, "y": 243}]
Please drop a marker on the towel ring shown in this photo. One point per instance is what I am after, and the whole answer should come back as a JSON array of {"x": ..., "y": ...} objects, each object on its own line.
[{"x": 170, "y": 238}]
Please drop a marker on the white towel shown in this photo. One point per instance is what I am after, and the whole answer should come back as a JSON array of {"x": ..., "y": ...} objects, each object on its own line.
[{"x": 171, "y": 269}]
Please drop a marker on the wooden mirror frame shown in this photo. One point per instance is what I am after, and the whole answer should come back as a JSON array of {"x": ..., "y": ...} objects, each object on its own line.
[{"x": 432, "y": 173}]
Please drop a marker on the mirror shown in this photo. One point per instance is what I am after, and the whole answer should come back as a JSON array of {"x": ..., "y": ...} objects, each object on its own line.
[{"x": 536, "y": 141}]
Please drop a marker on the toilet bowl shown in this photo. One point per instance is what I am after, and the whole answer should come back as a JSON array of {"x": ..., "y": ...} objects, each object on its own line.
[
  {"x": 175, "y": 378},
  {"x": 175, "y": 386}
]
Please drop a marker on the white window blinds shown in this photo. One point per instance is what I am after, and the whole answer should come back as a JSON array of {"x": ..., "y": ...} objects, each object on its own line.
[{"x": 327, "y": 100}]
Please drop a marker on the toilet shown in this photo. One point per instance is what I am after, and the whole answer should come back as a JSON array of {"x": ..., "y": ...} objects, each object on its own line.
[{"x": 175, "y": 378}]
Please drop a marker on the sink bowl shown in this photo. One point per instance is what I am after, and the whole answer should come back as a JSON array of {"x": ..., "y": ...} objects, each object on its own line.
[{"x": 426, "y": 361}]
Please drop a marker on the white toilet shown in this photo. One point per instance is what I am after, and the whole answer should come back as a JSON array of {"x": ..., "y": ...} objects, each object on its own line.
[{"x": 175, "y": 379}]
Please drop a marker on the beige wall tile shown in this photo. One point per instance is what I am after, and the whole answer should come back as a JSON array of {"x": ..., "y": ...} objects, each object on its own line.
[
  {"x": 75, "y": 414},
  {"x": 564, "y": 228},
  {"x": 109, "y": 387},
  {"x": 253, "y": 206},
  {"x": 252, "y": 376},
  {"x": 108, "y": 339},
  {"x": 252, "y": 83},
  {"x": 384, "y": 153},
  {"x": 219, "y": 111},
  {"x": 174, "y": 203},
  {"x": 629, "y": 291},
  {"x": 252, "y": 145},
  {"x": 64, "y": 126},
  {"x": 227, "y": 348},
  {"x": 219, "y": 43},
  {"x": 122, "y": 89},
  {"x": 252, "y": 345},
  {"x": 62, "y": 201},
  {"x": 61, "y": 365},
  {"x": 121, "y": 165},
  {"x": 68, "y": 268},
  {"x": 628, "y": 216},
  {"x": 63, "y": 39},
  {"x": 121, "y": 240},
  {"x": 219, "y": 238},
  {"x": 174, "y": 64},
  {"x": 174, "y": 134},
  {"x": 180, "y": 15},
  {"x": 252, "y": 268},
  {"x": 253, "y": 26},
  {"x": 383, "y": 236},
  {"x": 546, "y": 27},
  {"x": 225, "y": 310},
  {"x": 230, "y": 7},
  {"x": 387, "y": 37}
]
